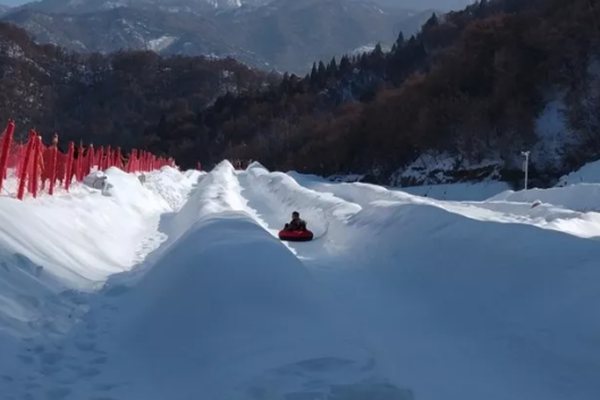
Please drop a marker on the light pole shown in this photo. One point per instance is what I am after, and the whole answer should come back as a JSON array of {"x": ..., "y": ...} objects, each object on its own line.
[{"x": 526, "y": 166}]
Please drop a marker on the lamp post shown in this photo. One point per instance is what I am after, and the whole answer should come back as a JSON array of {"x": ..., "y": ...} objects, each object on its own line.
[{"x": 526, "y": 166}]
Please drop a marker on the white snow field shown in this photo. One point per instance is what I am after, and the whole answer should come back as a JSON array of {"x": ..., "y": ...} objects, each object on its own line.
[{"x": 179, "y": 289}]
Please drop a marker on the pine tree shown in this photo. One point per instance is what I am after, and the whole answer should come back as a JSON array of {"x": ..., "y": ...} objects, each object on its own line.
[
  {"x": 363, "y": 62},
  {"x": 322, "y": 73},
  {"x": 377, "y": 60},
  {"x": 345, "y": 65},
  {"x": 314, "y": 78},
  {"x": 433, "y": 21},
  {"x": 400, "y": 40},
  {"x": 377, "y": 51},
  {"x": 332, "y": 69},
  {"x": 321, "y": 69}
]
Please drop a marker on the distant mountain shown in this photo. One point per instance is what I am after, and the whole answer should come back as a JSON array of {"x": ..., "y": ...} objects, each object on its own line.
[
  {"x": 106, "y": 99},
  {"x": 83, "y": 6},
  {"x": 291, "y": 35},
  {"x": 285, "y": 35},
  {"x": 4, "y": 9},
  {"x": 421, "y": 5},
  {"x": 86, "y": 6},
  {"x": 133, "y": 29}
]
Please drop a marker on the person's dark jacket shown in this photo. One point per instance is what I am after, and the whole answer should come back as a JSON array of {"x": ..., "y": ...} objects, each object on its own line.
[{"x": 296, "y": 225}]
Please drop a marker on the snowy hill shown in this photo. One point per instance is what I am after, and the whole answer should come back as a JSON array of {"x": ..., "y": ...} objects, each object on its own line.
[{"x": 179, "y": 287}]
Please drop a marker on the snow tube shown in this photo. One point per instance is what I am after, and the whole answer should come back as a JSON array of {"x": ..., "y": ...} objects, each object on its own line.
[{"x": 295, "y": 236}]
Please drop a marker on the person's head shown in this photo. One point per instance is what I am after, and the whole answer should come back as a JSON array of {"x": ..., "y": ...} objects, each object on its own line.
[{"x": 295, "y": 215}]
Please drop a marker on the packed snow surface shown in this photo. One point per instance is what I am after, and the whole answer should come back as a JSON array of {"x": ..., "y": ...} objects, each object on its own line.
[{"x": 178, "y": 287}]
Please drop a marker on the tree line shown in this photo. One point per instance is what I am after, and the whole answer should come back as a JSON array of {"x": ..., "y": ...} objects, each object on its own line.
[{"x": 471, "y": 83}]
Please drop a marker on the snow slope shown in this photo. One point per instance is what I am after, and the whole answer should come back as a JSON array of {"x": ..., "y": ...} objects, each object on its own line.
[
  {"x": 399, "y": 297},
  {"x": 106, "y": 235},
  {"x": 488, "y": 308},
  {"x": 464, "y": 191},
  {"x": 589, "y": 173}
]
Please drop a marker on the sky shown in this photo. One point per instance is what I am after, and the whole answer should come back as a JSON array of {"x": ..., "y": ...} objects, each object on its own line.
[{"x": 13, "y": 2}]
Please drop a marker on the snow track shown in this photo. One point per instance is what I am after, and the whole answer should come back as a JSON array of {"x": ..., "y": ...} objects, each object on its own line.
[
  {"x": 470, "y": 283},
  {"x": 400, "y": 297}
]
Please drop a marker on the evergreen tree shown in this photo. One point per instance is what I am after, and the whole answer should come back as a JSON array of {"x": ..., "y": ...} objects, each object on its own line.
[
  {"x": 314, "y": 77},
  {"x": 285, "y": 85},
  {"x": 345, "y": 65},
  {"x": 332, "y": 69},
  {"x": 400, "y": 40},
  {"x": 322, "y": 73},
  {"x": 377, "y": 51},
  {"x": 432, "y": 22}
]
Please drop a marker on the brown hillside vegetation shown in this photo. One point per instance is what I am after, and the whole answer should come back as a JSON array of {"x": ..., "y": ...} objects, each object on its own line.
[
  {"x": 470, "y": 84},
  {"x": 106, "y": 99}
]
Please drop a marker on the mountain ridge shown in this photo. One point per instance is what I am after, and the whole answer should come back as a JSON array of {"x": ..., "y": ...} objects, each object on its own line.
[{"x": 281, "y": 35}]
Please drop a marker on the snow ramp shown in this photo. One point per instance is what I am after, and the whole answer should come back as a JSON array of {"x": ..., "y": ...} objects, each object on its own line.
[{"x": 225, "y": 312}]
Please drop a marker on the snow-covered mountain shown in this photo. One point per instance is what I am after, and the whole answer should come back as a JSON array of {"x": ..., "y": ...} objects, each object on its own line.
[
  {"x": 281, "y": 34},
  {"x": 84, "y": 6},
  {"x": 134, "y": 29}
]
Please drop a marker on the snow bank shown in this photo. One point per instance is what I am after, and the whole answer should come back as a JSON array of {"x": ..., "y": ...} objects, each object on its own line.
[
  {"x": 51, "y": 246},
  {"x": 172, "y": 185},
  {"x": 356, "y": 192},
  {"x": 582, "y": 197},
  {"x": 546, "y": 216},
  {"x": 508, "y": 308},
  {"x": 500, "y": 209},
  {"x": 216, "y": 192},
  {"x": 477, "y": 191}
]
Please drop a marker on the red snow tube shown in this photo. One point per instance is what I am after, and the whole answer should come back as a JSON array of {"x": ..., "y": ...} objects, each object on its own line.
[{"x": 295, "y": 236}]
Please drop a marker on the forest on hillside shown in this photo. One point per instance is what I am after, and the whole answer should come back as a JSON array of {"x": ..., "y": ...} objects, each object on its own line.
[
  {"x": 107, "y": 99},
  {"x": 470, "y": 84}
]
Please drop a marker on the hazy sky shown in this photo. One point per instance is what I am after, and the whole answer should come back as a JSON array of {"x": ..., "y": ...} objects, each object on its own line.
[
  {"x": 12, "y": 2},
  {"x": 416, "y": 4}
]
